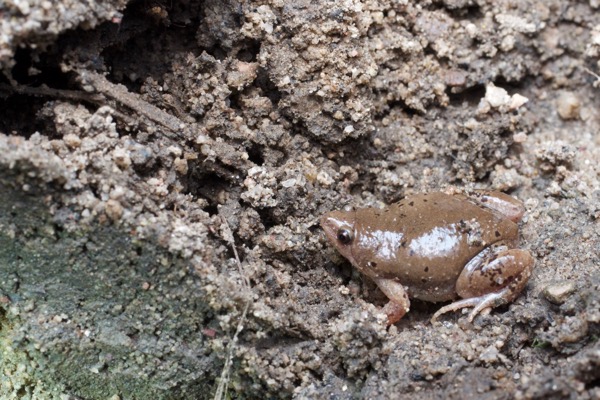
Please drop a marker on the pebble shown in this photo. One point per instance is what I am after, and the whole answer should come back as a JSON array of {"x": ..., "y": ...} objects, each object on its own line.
[
  {"x": 72, "y": 140},
  {"x": 496, "y": 96},
  {"x": 121, "y": 158},
  {"x": 558, "y": 292},
  {"x": 142, "y": 155},
  {"x": 568, "y": 106},
  {"x": 181, "y": 166},
  {"x": 113, "y": 210}
]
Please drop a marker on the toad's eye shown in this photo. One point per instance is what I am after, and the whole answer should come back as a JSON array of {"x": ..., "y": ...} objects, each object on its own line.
[{"x": 344, "y": 236}]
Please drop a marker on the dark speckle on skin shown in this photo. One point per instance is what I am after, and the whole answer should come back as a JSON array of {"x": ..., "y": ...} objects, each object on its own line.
[
  {"x": 424, "y": 280},
  {"x": 412, "y": 203},
  {"x": 497, "y": 234},
  {"x": 426, "y": 269}
]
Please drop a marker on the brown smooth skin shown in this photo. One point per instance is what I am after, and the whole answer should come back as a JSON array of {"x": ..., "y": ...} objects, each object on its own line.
[{"x": 437, "y": 247}]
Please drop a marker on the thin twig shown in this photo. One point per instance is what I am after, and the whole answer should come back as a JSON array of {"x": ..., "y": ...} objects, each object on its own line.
[
  {"x": 224, "y": 380},
  {"x": 44, "y": 91},
  {"x": 120, "y": 94},
  {"x": 595, "y": 75}
]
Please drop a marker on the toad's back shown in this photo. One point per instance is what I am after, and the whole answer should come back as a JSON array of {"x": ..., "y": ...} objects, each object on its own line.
[{"x": 425, "y": 240}]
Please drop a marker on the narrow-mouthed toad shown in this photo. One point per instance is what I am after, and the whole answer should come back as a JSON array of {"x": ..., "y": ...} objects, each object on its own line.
[{"x": 437, "y": 247}]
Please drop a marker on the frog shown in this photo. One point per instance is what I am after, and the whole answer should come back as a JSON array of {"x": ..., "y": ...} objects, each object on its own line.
[{"x": 456, "y": 246}]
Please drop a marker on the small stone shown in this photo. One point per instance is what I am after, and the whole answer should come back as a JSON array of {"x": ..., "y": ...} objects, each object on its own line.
[
  {"x": 558, "y": 292},
  {"x": 23, "y": 6},
  {"x": 288, "y": 183},
  {"x": 568, "y": 106},
  {"x": 121, "y": 158},
  {"x": 202, "y": 139},
  {"x": 455, "y": 77},
  {"x": 117, "y": 193},
  {"x": 113, "y": 210},
  {"x": 520, "y": 137},
  {"x": 72, "y": 140},
  {"x": 489, "y": 355},
  {"x": 495, "y": 96},
  {"x": 142, "y": 155},
  {"x": 181, "y": 166},
  {"x": 242, "y": 75},
  {"x": 508, "y": 43},
  {"x": 472, "y": 30},
  {"x": 324, "y": 178},
  {"x": 175, "y": 151},
  {"x": 338, "y": 115},
  {"x": 516, "y": 101}
]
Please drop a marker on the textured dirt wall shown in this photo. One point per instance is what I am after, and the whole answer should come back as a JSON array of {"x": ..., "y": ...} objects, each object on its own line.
[{"x": 139, "y": 142}]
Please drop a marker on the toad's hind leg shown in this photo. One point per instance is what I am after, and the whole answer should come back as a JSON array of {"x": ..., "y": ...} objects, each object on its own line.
[
  {"x": 500, "y": 203},
  {"x": 494, "y": 277}
]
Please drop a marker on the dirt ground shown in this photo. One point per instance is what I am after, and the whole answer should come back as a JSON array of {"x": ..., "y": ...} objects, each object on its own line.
[{"x": 144, "y": 143}]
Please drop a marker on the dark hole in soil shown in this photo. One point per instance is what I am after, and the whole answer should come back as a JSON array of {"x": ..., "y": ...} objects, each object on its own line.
[
  {"x": 212, "y": 209},
  {"x": 235, "y": 100},
  {"x": 266, "y": 217},
  {"x": 471, "y": 96},
  {"x": 249, "y": 52},
  {"x": 469, "y": 12},
  {"x": 268, "y": 87},
  {"x": 208, "y": 185},
  {"x": 593, "y": 384},
  {"x": 18, "y": 115},
  {"x": 255, "y": 155},
  {"x": 148, "y": 38},
  {"x": 45, "y": 71},
  {"x": 396, "y": 104},
  {"x": 218, "y": 52},
  {"x": 22, "y": 113}
]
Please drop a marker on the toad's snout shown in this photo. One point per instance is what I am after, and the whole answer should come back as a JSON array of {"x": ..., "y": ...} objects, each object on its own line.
[{"x": 331, "y": 223}]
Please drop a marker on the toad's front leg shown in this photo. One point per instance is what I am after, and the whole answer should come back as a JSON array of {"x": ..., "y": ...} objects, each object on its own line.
[
  {"x": 494, "y": 277},
  {"x": 399, "y": 303}
]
